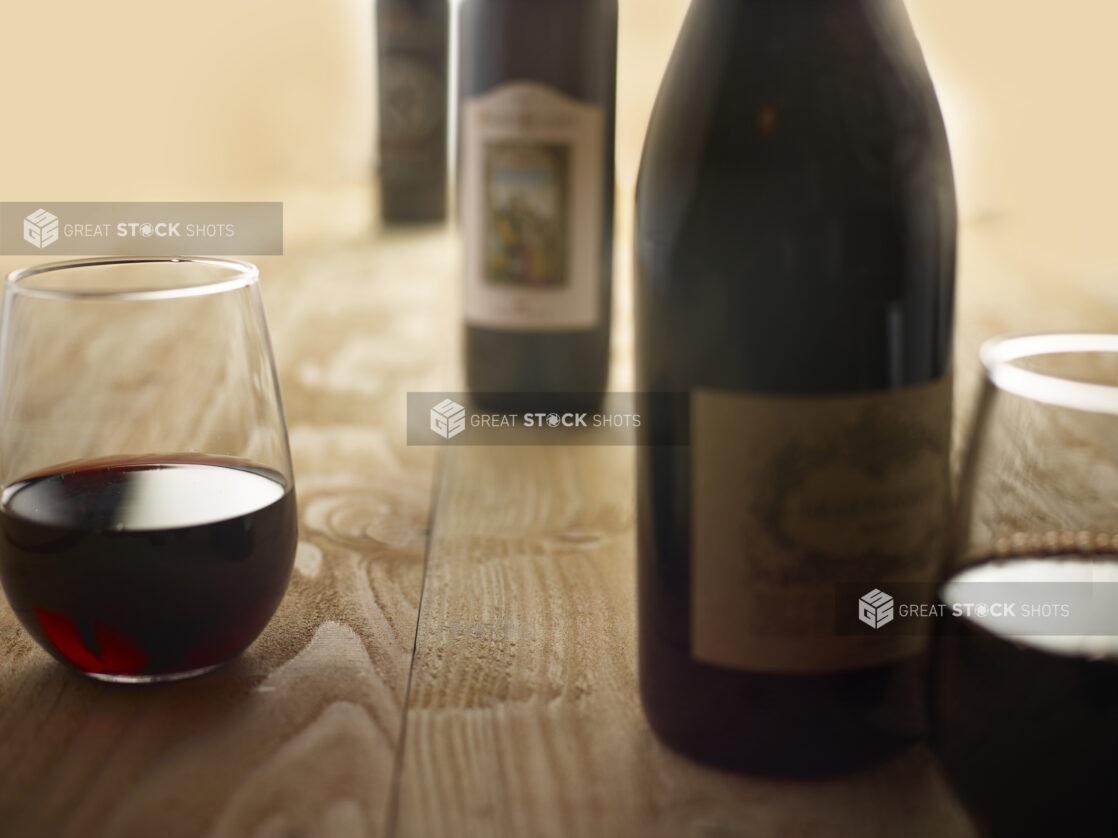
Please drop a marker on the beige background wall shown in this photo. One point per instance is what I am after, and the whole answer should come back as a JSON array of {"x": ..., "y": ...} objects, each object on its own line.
[{"x": 273, "y": 100}]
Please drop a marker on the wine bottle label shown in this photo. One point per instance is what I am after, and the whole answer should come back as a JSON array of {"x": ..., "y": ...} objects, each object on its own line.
[
  {"x": 794, "y": 496},
  {"x": 413, "y": 102},
  {"x": 532, "y": 163}
]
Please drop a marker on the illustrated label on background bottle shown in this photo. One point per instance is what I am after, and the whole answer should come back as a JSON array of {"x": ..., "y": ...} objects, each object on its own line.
[
  {"x": 532, "y": 209},
  {"x": 793, "y": 495},
  {"x": 413, "y": 103}
]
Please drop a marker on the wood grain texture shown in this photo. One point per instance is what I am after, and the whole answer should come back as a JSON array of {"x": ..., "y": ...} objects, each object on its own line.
[
  {"x": 299, "y": 735},
  {"x": 524, "y": 716}
]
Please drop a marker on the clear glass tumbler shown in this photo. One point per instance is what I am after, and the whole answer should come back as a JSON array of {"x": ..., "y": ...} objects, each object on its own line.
[
  {"x": 147, "y": 517},
  {"x": 1025, "y": 663}
]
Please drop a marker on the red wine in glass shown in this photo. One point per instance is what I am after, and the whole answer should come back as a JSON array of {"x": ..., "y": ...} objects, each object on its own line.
[
  {"x": 142, "y": 568},
  {"x": 1027, "y": 727}
]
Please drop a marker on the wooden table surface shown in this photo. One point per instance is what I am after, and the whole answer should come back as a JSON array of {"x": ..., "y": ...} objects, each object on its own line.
[{"x": 456, "y": 653}]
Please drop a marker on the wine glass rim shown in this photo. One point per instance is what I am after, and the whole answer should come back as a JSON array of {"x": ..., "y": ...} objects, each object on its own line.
[
  {"x": 243, "y": 274},
  {"x": 999, "y": 354}
]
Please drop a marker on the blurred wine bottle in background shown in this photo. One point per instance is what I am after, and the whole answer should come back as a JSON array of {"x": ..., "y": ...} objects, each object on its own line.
[
  {"x": 412, "y": 47},
  {"x": 536, "y": 181},
  {"x": 795, "y": 262}
]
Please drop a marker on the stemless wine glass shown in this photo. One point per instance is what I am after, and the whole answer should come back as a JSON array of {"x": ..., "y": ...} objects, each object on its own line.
[
  {"x": 1025, "y": 683},
  {"x": 147, "y": 516}
]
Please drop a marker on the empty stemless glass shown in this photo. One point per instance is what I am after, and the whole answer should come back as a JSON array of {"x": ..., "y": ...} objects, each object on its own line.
[
  {"x": 147, "y": 516},
  {"x": 1025, "y": 672}
]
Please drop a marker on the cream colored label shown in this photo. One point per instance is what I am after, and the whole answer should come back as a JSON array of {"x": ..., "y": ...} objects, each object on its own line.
[
  {"x": 793, "y": 495},
  {"x": 532, "y": 163}
]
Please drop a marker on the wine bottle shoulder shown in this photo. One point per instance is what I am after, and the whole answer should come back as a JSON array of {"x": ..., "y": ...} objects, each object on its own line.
[
  {"x": 795, "y": 208},
  {"x": 831, "y": 115}
]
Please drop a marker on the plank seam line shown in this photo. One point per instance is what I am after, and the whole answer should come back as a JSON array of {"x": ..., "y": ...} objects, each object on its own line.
[{"x": 391, "y": 818}]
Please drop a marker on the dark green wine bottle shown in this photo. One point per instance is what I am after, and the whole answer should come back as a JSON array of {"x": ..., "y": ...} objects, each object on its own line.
[{"x": 795, "y": 263}]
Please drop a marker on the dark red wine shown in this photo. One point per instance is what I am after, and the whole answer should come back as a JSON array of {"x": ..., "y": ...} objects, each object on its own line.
[
  {"x": 147, "y": 567},
  {"x": 795, "y": 260},
  {"x": 1027, "y": 727}
]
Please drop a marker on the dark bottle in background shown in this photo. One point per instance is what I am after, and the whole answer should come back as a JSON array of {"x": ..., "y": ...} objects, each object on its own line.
[
  {"x": 536, "y": 182},
  {"x": 412, "y": 90},
  {"x": 795, "y": 263}
]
